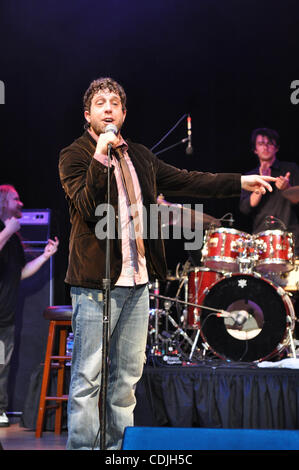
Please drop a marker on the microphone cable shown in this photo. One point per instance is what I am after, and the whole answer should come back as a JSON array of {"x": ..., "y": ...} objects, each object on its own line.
[{"x": 168, "y": 133}]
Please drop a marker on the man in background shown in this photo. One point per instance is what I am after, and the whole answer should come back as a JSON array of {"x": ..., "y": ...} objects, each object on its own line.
[{"x": 272, "y": 210}]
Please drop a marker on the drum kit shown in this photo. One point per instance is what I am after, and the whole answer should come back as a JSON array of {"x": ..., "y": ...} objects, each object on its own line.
[{"x": 237, "y": 306}]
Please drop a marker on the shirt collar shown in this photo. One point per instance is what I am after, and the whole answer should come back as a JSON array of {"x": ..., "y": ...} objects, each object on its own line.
[
  {"x": 123, "y": 144},
  {"x": 276, "y": 164}
]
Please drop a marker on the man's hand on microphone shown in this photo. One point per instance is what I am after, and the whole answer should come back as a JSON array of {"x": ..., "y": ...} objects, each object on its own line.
[{"x": 104, "y": 140}]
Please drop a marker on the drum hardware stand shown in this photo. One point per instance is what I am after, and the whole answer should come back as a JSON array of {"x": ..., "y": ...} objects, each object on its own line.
[
  {"x": 291, "y": 337},
  {"x": 194, "y": 344},
  {"x": 179, "y": 330},
  {"x": 290, "y": 320},
  {"x": 156, "y": 291},
  {"x": 246, "y": 263},
  {"x": 292, "y": 342},
  {"x": 183, "y": 283},
  {"x": 155, "y": 347},
  {"x": 167, "y": 305},
  {"x": 204, "y": 345},
  {"x": 183, "y": 277}
]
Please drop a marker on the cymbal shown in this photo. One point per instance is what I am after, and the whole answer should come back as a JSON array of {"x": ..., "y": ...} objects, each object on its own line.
[
  {"x": 208, "y": 220},
  {"x": 292, "y": 194},
  {"x": 194, "y": 216}
]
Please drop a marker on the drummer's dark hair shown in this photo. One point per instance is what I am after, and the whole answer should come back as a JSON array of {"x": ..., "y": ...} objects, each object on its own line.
[{"x": 272, "y": 135}]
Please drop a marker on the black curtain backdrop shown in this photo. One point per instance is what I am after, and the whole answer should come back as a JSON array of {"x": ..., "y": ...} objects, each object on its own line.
[{"x": 230, "y": 64}]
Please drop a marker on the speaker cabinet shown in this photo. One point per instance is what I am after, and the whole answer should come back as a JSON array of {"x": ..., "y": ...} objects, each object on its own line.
[
  {"x": 35, "y": 226},
  {"x": 151, "y": 438}
]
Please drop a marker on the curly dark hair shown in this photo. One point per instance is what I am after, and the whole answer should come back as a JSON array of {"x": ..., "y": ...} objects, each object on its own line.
[
  {"x": 105, "y": 83},
  {"x": 272, "y": 135}
]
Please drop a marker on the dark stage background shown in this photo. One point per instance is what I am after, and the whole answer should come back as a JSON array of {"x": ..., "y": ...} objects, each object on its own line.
[{"x": 230, "y": 64}]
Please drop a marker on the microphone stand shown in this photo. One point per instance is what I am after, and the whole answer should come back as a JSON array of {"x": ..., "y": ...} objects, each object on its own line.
[
  {"x": 106, "y": 320},
  {"x": 172, "y": 146},
  {"x": 225, "y": 313},
  {"x": 187, "y": 139}
]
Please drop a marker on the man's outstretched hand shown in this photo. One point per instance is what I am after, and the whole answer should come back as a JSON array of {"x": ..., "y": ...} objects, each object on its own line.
[{"x": 256, "y": 183}]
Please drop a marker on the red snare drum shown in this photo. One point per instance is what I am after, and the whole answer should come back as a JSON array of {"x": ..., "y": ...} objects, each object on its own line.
[
  {"x": 222, "y": 247},
  {"x": 275, "y": 250},
  {"x": 199, "y": 281}
]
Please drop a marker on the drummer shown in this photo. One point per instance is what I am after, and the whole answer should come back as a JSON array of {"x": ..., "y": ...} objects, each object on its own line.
[{"x": 272, "y": 211}]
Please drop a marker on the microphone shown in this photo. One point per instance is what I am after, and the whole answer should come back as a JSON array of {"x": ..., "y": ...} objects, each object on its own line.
[
  {"x": 239, "y": 316},
  {"x": 189, "y": 148},
  {"x": 111, "y": 128},
  {"x": 228, "y": 218}
]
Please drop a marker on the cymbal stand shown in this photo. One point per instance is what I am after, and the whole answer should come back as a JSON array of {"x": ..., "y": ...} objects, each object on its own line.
[
  {"x": 167, "y": 306},
  {"x": 194, "y": 344},
  {"x": 184, "y": 284},
  {"x": 204, "y": 346},
  {"x": 185, "y": 310},
  {"x": 290, "y": 319},
  {"x": 156, "y": 292},
  {"x": 166, "y": 333},
  {"x": 157, "y": 346},
  {"x": 292, "y": 344}
]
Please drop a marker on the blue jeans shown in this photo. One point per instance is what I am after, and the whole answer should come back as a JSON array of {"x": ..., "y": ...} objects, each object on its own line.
[{"x": 129, "y": 327}]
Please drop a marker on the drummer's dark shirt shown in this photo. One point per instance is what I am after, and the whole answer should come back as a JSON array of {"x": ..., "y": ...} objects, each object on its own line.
[{"x": 274, "y": 204}]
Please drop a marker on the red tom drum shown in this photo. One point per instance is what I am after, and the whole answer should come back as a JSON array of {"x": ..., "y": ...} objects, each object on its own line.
[
  {"x": 222, "y": 248},
  {"x": 275, "y": 251}
]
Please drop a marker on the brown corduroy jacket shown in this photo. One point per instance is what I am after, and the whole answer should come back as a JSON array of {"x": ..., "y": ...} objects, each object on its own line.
[{"x": 84, "y": 181}]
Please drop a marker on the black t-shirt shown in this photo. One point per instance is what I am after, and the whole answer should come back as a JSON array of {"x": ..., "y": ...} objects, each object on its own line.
[{"x": 12, "y": 260}]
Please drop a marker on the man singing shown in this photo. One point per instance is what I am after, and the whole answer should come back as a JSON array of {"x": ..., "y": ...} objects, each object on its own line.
[{"x": 134, "y": 260}]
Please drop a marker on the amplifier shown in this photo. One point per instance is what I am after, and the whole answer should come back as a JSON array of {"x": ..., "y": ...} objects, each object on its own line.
[{"x": 35, "y": 226}]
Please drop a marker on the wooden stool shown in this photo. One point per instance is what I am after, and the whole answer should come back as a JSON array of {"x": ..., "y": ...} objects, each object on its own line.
[{"x": 59, "y": 316}]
